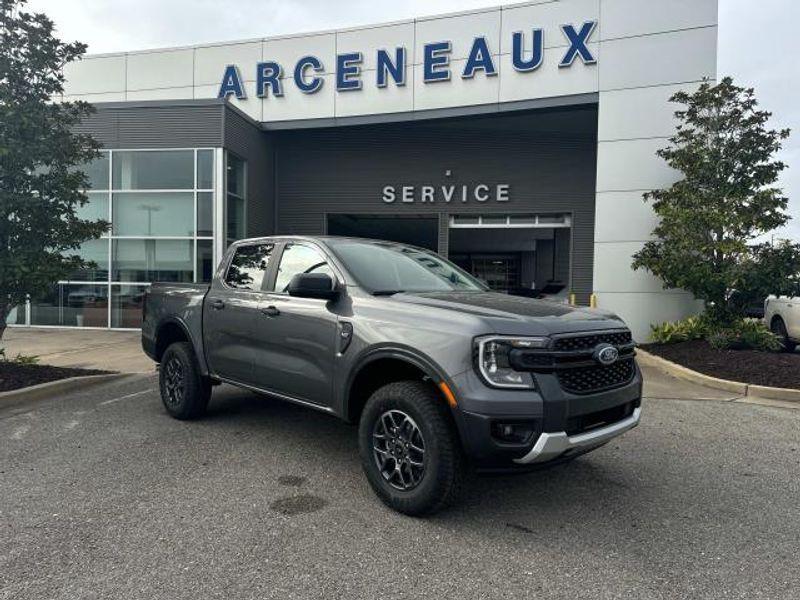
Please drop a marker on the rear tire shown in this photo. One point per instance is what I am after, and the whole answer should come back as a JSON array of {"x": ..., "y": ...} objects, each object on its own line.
[
  {"x": 410, "y": 449},
  {"x": 184, "y": 391},
  {"x": 778, "y": 327}
]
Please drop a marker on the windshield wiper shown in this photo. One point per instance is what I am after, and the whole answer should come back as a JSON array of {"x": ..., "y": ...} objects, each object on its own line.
[{"x": 387, "y": 292}]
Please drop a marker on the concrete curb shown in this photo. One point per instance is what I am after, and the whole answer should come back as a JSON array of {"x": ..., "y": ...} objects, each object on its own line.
[
  {"x": 60, "y": 386},
  {"x": 743, "y": 389}
]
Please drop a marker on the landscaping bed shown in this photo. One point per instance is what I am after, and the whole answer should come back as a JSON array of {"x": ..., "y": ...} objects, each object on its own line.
[
  {"x": 746, "y": 366},
  {"x": 15, "y": 375}
]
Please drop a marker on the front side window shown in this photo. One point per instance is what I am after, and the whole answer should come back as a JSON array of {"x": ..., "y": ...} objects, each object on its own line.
[
  {"x": 299, "y": 258},
  {"x": 249, "y": 266}
]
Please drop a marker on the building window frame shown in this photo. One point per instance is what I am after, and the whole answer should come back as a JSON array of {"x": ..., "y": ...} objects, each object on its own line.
[{"x": 110, "y": 283}]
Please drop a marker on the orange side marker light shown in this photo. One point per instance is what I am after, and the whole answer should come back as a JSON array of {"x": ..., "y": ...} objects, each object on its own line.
[{"x": 448, "y": 394}]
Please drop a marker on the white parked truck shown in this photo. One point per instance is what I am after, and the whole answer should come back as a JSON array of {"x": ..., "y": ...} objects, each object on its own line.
[{"x": 782, "y": 316}]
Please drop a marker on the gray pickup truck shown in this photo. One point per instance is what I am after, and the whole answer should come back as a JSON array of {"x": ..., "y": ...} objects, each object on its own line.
[{"x": 439, "y": 373}]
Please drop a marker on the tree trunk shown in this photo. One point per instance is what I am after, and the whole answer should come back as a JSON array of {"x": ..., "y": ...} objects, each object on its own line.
[{"x": 4, "y": 310}]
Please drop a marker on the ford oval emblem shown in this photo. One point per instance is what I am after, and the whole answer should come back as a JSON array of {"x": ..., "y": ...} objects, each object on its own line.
[{"x": 606, "y": 354}]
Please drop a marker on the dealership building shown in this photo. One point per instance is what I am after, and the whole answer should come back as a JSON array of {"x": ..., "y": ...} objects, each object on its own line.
[{"x": 517, "y": 141}]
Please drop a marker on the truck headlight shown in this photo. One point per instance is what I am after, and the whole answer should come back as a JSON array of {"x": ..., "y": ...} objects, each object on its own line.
[{"x": 493, "y": 360}]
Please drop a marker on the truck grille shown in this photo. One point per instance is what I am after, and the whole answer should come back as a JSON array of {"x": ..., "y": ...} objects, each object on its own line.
[
  {"x": 588, "y": 342},
  {"x": 585, "y": 380},
  {"x": 571, "y": 359}
]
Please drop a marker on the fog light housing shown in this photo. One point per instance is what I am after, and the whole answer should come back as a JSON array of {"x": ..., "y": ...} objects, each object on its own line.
[{"x": 513, "y": 432}]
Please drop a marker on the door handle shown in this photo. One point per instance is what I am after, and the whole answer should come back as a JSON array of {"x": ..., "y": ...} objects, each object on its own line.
[
  {"x": 217, "y": 304},
  {"x": 270, "y": 311}
]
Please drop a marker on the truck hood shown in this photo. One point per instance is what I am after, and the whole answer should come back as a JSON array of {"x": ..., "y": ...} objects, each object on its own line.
[{"x": 516, "y": 315}]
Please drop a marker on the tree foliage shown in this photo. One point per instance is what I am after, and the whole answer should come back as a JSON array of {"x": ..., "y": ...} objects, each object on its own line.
[
  {"x": 727, "y": 198},
  {"x": 40, "y": 157}
]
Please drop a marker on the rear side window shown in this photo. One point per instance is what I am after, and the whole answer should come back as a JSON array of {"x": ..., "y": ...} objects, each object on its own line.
[{"x": 248, "y": 267}]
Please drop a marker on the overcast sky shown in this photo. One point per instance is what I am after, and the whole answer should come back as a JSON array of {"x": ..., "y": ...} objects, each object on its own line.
[{"x": 756, "y": 39}]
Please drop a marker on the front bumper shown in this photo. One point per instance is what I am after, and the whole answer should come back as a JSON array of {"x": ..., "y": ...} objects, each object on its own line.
[
  {"x": 550, "y": 446},
  {"x": 563, "y": 424}
]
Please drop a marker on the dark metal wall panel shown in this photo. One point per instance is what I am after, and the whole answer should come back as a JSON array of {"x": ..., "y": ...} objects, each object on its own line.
[
  {"x": 444, "y": 234},
  {"x": 345, "y": 169},
  {"x": 245, "y": 138},
  {"x": 156, "y": 126}
]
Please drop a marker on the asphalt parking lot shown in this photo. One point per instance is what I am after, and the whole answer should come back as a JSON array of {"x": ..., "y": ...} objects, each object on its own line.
[{"x": 103, "y": 496}]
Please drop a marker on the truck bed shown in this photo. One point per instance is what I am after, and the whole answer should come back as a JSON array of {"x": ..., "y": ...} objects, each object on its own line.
[{"x": 177, "y": 303}]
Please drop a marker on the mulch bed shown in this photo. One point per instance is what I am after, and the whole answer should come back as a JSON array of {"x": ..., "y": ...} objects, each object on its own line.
[
  {"x": 745, "y": 366},
  {"x": 14, "y": 376}
]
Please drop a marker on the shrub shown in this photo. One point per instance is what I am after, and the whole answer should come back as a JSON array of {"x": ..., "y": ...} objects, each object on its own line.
[
  {"x": 20, "y": 359},
  {"x": 723, "y": 340},
  {"x": 755, "y": 335},
  {"x": 745, "y": 334},
  {"x": 692, "y": 328}
]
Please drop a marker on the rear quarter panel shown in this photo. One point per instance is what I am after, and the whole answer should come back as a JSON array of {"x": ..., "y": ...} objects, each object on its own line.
[{"x": 179, "y": 304}]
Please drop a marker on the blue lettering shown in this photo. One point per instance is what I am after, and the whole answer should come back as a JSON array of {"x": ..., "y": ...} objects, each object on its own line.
[
  {"x": 348, "y": 71},
  {"x": 312, "y": 86},
  {"x": 479, "y": 59},
  {"x": 386, "y": 67},
  {"x": 518, "y": 52},
  {"x": 231, "y": 83},
  {"x": 268, "y": 74},
  {"x": 436, "y": 62},
  {"x": 577, "y": 41}
]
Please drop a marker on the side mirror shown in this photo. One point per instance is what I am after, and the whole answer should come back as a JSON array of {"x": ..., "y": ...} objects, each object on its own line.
[{"x": 313, "y": 285}]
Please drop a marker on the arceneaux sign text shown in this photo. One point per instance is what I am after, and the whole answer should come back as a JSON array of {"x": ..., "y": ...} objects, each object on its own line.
[{"x": 526, "y": 55}]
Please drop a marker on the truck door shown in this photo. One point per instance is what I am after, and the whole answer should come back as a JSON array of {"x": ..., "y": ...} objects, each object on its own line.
[
  {"x": 297, "y": 336},
  {"x": 231, "y": 307},
  {"x": 791, "y": 311}
]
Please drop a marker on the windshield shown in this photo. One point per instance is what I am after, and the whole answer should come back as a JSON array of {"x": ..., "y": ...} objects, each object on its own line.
[{"x": 387, "y": 268}]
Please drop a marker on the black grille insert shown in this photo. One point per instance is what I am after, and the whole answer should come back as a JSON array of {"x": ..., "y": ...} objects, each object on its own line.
[
  {"x": 588, "y": 342},
  {"x": 583, "y": 423},
  {"x": 585, "y": 380}
]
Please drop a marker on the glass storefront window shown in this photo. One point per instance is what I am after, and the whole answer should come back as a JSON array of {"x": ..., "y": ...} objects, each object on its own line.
[
  {"x": 126, "y": 305},
  {"x": 97, "y": 172},
  {"x": 522, "y": 219},
  {"x": 236, "y": 230},
  {"x": 163, "y": 205},
  {"x": 205, "y": 214},
  {"x": 236, "y": 168},
  {"x": 153, "y": 214},
  {"x": 235, "y": 199},
  {"x": 552, "y": 219},
  {"x": 205, "y": 169},
  {"x": 95, "y": 251},
  {"x": 16, "y": 316},
  {"x": 144, "y": 260},
  {"x": 205, "y": 260},
  {"x": 96, "y": 209},
  {"x": 72, "y": 305},
  {"x": 153, "y": 170}
]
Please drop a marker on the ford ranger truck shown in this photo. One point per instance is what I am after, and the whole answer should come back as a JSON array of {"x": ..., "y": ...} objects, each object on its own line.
[{"x": 439, "y": 373}]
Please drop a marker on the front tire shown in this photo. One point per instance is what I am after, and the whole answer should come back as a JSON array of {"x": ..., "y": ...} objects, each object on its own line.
[
  {"x": 184, "y": 391},
  {"x": 409, "y": 448},
  {"x": 778, "y": 327}
]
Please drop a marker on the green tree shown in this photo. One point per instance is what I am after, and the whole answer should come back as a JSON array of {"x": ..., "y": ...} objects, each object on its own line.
[
  {"x": 40, "y": 158},
  {"x": 727, "y": 198}
]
